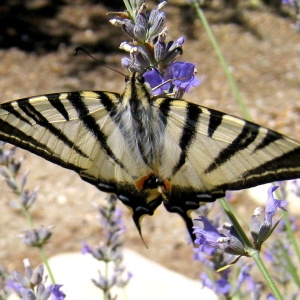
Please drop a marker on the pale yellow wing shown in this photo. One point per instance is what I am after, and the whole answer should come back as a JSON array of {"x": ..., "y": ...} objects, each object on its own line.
[
  {"x": 81, "y": 131},
  {"x": 207, "y": 152}
]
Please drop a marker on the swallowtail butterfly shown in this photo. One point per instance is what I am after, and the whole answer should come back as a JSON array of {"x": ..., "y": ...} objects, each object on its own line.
[{"x": 149, "y": 149}]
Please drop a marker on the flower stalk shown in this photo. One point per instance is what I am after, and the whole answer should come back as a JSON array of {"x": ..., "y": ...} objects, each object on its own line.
[
  {"x": 222, "y": 60},
  {"x": 10, "y": 168}
]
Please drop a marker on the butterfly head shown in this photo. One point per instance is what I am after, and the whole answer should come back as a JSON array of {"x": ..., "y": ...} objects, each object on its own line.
[{"x": 136, "y": 89}]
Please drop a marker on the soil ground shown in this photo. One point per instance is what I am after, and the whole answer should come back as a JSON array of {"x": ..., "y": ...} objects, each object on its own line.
[{"x": 263, "y": 52}]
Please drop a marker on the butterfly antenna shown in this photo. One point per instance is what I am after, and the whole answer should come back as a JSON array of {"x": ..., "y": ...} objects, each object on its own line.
[{"x": 77, "y": 49}]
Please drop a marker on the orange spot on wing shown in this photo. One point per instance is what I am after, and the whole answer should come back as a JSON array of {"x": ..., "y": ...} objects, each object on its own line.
[
  {"x": 167, "y": 185},
  {"x": 140, "y": 183}
]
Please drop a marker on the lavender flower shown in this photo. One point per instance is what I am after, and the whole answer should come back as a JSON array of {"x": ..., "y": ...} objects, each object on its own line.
[
  {"x": 156, "y": 82},
  {"x": 32, "y": 286},
  {"x": 273, "y": 204},
  {"x": 215, "y": 243},
  {"x": 206, "y": 281},
  {"x": 261, "y": 230},
  {"x": 150, "y": 50},
  {"x": 56, "y": 294},
  {"x": 10, "y": 169},
  {"x": 36, "y": 237},
  {"x": 182, "y": 75},
  {"x": 245, "y": 277},
  {"x": 178, "y": 78},
  {"x": 109, "y": 251},
  {"x": 221, "y": 286},
  {"x": 211, "y": 237}
]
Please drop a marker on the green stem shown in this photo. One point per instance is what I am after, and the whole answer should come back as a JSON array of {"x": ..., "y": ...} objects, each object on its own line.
[
  {"x": 106, "y": 292},
  {"x": 235, "y": 223},
  {"x": 46, "y": 263},
  {"x": 290, "y": 267},
  {"x": 129, "y": 8},
  {"x": 223, "y": 62},
  {"x": 291, "y": 235},
  {"x": 260, "y": 264},
  {"x": 28, "y": 217},
  {"x": 289, "y": 229}
]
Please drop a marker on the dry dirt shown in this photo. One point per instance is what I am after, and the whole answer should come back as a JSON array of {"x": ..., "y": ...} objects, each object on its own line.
[{"x": 263, "y": 53}]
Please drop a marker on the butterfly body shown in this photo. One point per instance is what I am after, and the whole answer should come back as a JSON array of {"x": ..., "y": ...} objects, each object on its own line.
[{"x": 149, "y": 149}]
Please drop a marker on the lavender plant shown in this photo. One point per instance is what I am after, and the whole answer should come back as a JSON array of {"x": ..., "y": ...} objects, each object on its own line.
[
  {"x": 219, "y": 247},
  {"x": 110, "y": 250},
  {"x": 149, "y": 49},
  {"x": 32, "y": 286},
  {"x": 10, "y": 170}
]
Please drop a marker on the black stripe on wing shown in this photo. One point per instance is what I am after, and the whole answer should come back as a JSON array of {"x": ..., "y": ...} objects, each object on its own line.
[
  {"x": 215, "y": 120},
  {"x": 90, "y": 123},
  {"x": 35, "y": 115},
  {"x": 164, "y": 109},
  {"x": 19, "y": 138},
  {"x": 242, "y": 141},
  {"x": 269, "y": 138},
  {"x": 188, "y": 133},
  {"x": 11, "y": 110},
  {"x": 285, "y": 167},
  {"x": 107, "y": 102},
  {"x": 58, "y": 105}
]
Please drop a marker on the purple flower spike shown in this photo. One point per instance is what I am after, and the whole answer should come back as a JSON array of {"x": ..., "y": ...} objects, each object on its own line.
[
  {"x": 245, "y": 276},
  {"x": 208, "y": 235},
  {"x": 184, "y": 75},
  {"x": 273, "y": 204},
  {"x": 14, "y": 286},
  {"x": 179, "y": 78},
  {"x": 154, "y": 79},
  {"x": 261, "y": 230},
  {"x": 86, "y": 248},
  {"x": 223, "y": 286},
  {"x": 56, "y": 294},
  {"x": 206, "y": 281}
]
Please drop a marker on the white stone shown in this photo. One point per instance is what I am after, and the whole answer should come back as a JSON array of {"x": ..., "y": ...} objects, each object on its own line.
[{"x": 150, "y": 280}]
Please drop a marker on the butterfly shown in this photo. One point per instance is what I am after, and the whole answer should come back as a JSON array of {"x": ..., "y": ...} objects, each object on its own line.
[{"x": 149, "y": 149}]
